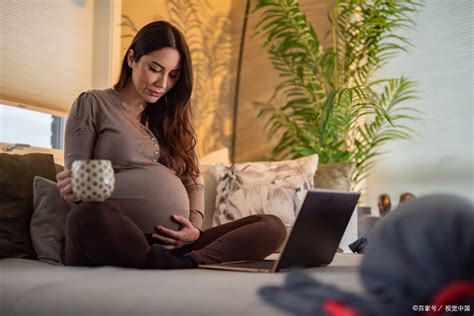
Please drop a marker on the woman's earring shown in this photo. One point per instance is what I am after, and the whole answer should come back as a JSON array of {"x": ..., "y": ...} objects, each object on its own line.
[{"x": 166, "y": 100}]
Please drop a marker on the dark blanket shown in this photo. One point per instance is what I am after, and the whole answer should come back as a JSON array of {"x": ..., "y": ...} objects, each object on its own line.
[{"x": 423, "y": 247}]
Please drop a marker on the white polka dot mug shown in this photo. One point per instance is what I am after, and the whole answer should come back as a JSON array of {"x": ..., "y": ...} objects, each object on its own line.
[{"x": 92, "y": 180}]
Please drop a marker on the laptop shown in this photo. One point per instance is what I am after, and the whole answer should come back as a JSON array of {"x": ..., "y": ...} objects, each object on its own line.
[{"x": 314, "y": 237}]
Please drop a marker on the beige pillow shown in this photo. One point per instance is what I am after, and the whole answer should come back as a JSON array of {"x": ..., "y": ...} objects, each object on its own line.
[
  {"x": 47, "y": 221},
  {"x": 276, "y": 188},
  {"x": 210, "y": 191},
  {"x": 334, "y": 176},
  {"x": 210, "y": 182}
]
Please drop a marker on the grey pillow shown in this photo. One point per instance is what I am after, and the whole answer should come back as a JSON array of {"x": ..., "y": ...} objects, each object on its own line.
[{"x": 47, "y": 221}]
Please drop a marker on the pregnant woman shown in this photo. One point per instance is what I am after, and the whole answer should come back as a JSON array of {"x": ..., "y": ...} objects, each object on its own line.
[{"x": 144, "y": 126}]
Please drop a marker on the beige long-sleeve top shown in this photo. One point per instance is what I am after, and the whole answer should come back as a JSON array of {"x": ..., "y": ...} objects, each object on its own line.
[{"x": 100, "y": 127}]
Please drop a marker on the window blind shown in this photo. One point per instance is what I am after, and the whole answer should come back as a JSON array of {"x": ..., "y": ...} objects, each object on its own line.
[{"x": 50, "y": 48}]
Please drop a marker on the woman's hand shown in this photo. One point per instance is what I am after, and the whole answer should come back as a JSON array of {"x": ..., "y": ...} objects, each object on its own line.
[
  {"x": 174, "y": 239},
  {"x": 64, "y": 185}
]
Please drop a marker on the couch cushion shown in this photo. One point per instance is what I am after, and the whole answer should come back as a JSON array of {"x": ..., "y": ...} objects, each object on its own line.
[
  {"x": 276, "y": 188},
  {"x": 47, "y": 222},
  {"x": 37, "y": 288},
  {"x": 16, "y": 200},
  {"x": 58, "y": 168}
]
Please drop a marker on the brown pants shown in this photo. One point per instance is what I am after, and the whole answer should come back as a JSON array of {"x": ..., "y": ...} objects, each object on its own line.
[{"x": 98, "y": 233}]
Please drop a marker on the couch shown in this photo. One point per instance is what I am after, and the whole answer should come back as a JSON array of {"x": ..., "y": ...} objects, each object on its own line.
[
  {"x": 29, "y": 287},
  {"x": 33, "y": 287}
]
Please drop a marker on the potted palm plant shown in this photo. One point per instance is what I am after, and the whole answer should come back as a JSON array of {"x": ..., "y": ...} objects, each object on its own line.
[{"x": 328, "y": 101}]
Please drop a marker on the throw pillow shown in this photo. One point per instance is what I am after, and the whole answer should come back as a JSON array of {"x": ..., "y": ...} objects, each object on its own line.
[
  {"x": 47, "y": 222},
  {"x": 210, "y": 189},
  {"x": 210, "y": 182},
  {"x": 334, "y": 176},
  {"x": 276, "y": 188},
  {"x": 58, "y": 168},
  {"x": 16, "y": 200}
]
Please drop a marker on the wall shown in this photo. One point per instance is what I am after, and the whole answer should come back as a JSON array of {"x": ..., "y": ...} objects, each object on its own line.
[
  {"x": 441, "y": 159},
  {"x": 215, "y": 52},
  {"x": 212, "y": 29},
  {"x": 258, "y": 79},
  {"x": 442, "y": 61}
]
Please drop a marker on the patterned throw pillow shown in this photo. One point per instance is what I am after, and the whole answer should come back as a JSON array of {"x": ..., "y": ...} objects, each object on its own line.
[{"x": 276, "y": 188}]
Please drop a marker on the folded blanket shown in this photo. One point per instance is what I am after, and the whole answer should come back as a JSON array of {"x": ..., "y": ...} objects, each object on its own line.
[{"x": 303, "y": 295}]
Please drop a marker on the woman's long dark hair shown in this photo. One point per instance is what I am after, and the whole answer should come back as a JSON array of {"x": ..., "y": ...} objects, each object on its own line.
[{"x": 170, "y": 118}]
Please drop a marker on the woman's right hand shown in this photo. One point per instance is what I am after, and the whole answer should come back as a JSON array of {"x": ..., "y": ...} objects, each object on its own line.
[{"x": 64, "y": 185}]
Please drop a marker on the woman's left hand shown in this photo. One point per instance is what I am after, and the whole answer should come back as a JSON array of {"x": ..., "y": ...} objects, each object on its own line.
[{"x": 174, "y": 239}]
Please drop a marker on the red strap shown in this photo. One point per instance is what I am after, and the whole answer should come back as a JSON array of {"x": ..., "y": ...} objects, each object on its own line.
[
  {"x": 335, "y": 308},
  {"x": 452, "y": 293}
]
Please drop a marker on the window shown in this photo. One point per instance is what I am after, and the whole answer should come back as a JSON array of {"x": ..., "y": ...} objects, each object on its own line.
[
  {"x": 50, "y": 52},
  {"x": 30, "y": 128},
  {"x": 441, "y": 160}
]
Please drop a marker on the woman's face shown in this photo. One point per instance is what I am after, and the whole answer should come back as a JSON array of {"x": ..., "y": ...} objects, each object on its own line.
[{"x": 155, "y": 73}]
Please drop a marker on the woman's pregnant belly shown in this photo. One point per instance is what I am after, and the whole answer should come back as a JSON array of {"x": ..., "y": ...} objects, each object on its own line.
[{"x": 150, "y": 195}]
